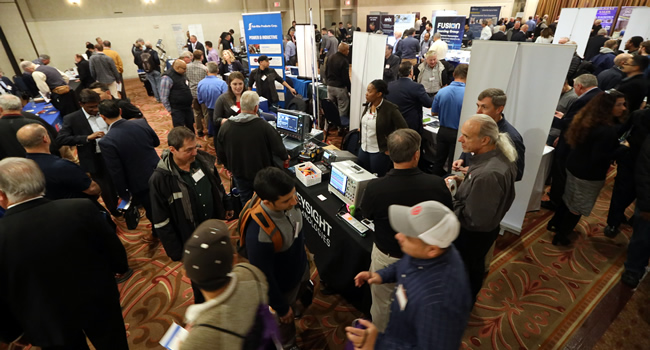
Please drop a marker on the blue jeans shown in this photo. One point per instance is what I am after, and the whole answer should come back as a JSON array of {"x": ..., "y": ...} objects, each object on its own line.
[
  {"x": 154, "y": 78},
  {"x": 638, "y": 251},
  {"x": 245, "y": 188},
  {"x": 378, "y": 163}
]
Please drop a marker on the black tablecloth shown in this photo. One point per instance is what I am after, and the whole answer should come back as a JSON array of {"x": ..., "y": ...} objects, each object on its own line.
[{"x": 340, "y": 252}]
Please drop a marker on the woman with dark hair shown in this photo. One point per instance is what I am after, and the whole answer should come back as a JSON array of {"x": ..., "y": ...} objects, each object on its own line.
[
  {"x": 546, "y": 37},
  {"x": 228, "y": 103},
  {"x": 594, "y": 145},
  {"x": 90, "y": 49},
  {"x": 379, "y": 119},
  {"x": 83, "y": 68}
]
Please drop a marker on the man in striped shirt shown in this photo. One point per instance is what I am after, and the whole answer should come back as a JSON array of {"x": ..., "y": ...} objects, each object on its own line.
[{"x": 432, "y": 300}]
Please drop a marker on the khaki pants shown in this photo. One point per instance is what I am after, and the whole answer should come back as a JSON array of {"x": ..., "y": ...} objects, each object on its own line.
[
  {"x": 414, "y": 61},
  {"x": 200, "y": 113},
  {"x": 381, "y": 293}
]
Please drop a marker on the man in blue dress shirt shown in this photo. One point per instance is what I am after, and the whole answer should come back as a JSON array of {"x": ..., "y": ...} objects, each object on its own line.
[
  {"x": 432, "y": 300},
  {"x": 209, "y": 90}
]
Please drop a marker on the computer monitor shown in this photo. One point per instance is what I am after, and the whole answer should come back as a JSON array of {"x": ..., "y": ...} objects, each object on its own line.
[
  {"x": 287, "y": 122},
  {"x": 338, "y": 180},
  {"x": 293, "y": 124}
]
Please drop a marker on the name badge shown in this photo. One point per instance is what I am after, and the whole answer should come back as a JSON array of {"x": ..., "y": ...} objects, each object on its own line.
[
  {"x": 197, "y": 176},
  {"x": 235, "y": 108},
  {"x": 263, "y": 77},
  {"x": 432, "y": 79},
  {"x": 297, "y": 230},
  {"x": 388, "y": 66},
  {"x": 402, "y": 299}
]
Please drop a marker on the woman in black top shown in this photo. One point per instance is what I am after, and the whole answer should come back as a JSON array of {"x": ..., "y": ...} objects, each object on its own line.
[
  {"x": 378, "y": 120},
  {"x": 229, "y": 63},
  {"x": 228, "y": 103},
  {"x": 594, "y": 145},
  {"x": 90, "y": 49}
]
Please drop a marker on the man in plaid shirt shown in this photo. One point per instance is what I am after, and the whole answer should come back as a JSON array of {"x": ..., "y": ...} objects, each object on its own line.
[{"x": 196, "y": 71}]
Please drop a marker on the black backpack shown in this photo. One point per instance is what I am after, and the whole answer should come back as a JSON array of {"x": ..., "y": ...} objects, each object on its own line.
[{"x": 147, "y": 65}]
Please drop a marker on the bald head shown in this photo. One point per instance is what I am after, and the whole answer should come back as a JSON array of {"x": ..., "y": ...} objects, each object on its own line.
[
  {"x": 622, "y": 58},
  {"x": 344, "y": 48},
  {"x": 34, "y": 138},
  {"x": 180, "y": 66},
  {"x": 148, "y": 44}
]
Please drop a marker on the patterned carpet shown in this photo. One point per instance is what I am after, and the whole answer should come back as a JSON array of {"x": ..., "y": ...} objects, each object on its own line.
[{"x": 535, "y": 296}]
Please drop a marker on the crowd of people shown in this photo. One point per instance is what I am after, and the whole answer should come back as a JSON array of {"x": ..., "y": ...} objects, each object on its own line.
[{"x": 434, "y": 223}]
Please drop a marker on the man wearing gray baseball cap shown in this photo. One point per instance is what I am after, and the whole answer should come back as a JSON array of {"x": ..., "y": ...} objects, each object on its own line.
[{"x": 432, "y": 301}]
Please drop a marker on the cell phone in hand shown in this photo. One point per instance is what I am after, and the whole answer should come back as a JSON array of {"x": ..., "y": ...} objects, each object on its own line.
[{"x": 357, "y": 324}]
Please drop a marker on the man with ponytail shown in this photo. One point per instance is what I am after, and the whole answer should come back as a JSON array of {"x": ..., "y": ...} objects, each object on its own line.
[{"x": 485, "y": 194}]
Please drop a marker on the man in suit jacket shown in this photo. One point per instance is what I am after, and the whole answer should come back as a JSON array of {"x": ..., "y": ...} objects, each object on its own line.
[
  {"x": 129, "y": 150},
  {"x": 82, "y": 129},
  {"x": 6, "y": 85},
  {"x": 586, "y": 87},
  {"x": 500, "y": 35},
  {"x": 409, "y": 96},
  {"x": 194, "y": 45},
  {"x": 67, "y": 291},
  {"x": 595, "y": 43}
]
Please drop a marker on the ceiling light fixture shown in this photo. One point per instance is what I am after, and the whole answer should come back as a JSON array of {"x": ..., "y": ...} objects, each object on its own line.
[{"x": 75, "y": 2}]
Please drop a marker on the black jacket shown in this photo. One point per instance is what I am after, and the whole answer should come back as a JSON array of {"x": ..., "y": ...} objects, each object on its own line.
[
  {"x": 246, "y": 144},
  {"x": 9, "y": 125},
  {"x": 389, "y": 119},
  {"x": 562, "y": 149},
  {"x": 642, "y": 176},
  {"x": 410, "y": 97},
  {"x": 337, "y": 71},
  {"x": 391, "y": 68},
  {"x": 593, "y": 46},
  {"x": 635, "y": 89},
  {"x": 518, "y": 36},
  {"x": 236, "y": 67},
  {"x": 610, "y": 78},
  {"x": 75, "y": 132},
  {"x": 9, "y": 83},
  {"x": 83, "y": 67},
  {"x": 198, "y": 46},
  {"x": 180, "y": 95},
  {"x": 52, "y": 309},
  {"x": 173, "y": 203},
  {"x": 130, "y": 155},
  {"x": 401, "y": 187},
  {"x": 129, "y": 110},
  {"x": 154, "y": 59},
  {"x": 499, "y": 36}
]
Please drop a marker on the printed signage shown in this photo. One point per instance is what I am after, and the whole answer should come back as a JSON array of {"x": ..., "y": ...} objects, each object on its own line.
[
  {"x": 451, "y": 30},
  {"x": 607, "y": 16},
  {"x": 263, "y": 33},
  {"x": 477, "y": 14}
]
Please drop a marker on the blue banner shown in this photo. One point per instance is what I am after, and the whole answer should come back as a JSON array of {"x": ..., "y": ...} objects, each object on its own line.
[
  {"x": 263, "y": 33},
  {"x": 607, "y": 16},
  {"x": 477, "y": 14},
  {"x": 451, "y": 30}
]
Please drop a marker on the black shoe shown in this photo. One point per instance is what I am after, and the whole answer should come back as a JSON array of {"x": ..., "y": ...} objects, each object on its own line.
[
  {"x": 551, "y": 227},
  {"x": 123, "y": 277},
  {"x": 611, "y": 231},
  {"x": 561, "y": 240},
  {"x": 548, "y": 205},
  {"x": 630, "y": 279}
]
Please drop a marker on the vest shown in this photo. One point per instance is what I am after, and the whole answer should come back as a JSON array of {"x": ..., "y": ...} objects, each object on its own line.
[
  {"x": 180, "y": 95},
  {"x": 52, "y": 75}
]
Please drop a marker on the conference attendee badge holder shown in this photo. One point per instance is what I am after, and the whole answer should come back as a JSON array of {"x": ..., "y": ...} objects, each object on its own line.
[
  {"x": 432, "y": 79},
  {"x": 388, "y": 66},
  {"x": 235, "y": 108},
  {"x": 402, "y": 299},
  {"x": 197, "y": 176},
  {"x": 263, "y": 77},
  {"x": 297, "y": 230}
]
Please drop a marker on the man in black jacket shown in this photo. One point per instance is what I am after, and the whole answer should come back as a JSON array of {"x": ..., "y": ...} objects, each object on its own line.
[
  {"x": 500, "y": 35},
  {"x": 176, "y": 96},
  {"x": 246, "y": 144},
  {"x": 406, "y": 185},
  {"x": 409, "y": 96},
  {"x": 128, "y": 148},
  {"x": 82, "y": 129},
  {"x": 128, "y": 110},
  {"x": 610, "y": 78},
  {"x": 586, "y": 87},
  {"x": 337, "y": 73},
  {"x": 264, "y": 79},
  {"x": 635, "y": 84},
  {"x": 595, "y": 43},
  {"x": 391, "y": 65},
  {"x": 52, "y": 310},
  {"x": 194, "y": 45},
  {"x": 185, "y": 190},
  {"x": 11, "y": 120}
]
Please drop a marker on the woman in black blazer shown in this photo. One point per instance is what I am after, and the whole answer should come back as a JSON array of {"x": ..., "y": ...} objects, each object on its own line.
[
  {"x": 228, "y": 103},
  {"x": 378, "y": 120},
  {"x": 230, "y": 64}
]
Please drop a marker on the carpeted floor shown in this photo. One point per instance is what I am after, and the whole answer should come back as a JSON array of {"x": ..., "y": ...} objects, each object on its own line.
[{"x": 535, "y": 296}]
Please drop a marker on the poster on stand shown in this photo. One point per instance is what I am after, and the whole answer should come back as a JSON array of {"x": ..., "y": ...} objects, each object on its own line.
[
  {"x": 404, "y": 23},
  {"x": 623, "y": 19},
  {"x": 479, "y": 13},
  {"x": 451, "y": 30},
  {"x": 263, "y": 33},
  {"x": 179, "y": 37},
  {"x": 441, "y": 13},
  {"x": 607, "y": 15},
  {"x": 372, "y": 23},
  {"x": 196, "y": 29},
  {"x": 387, "y": 24}
]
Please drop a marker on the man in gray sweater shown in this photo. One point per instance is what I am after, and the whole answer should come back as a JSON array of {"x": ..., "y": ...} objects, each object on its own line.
[
  {"x": 485, "y": 194},
  {"x": 103, "y": 70}
]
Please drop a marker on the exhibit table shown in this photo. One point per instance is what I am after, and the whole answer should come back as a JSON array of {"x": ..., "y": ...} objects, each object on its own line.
[
  {"x": 47, "y": 112},
  {"x": 340, "y": 252}
]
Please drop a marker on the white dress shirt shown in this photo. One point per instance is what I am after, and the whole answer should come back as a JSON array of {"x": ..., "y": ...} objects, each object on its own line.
[
  {"x": 96, "y": 124},
  {"x": 369, "y": 141}
]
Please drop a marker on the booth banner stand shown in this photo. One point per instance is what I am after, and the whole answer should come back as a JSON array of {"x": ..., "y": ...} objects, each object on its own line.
[
  {"x": 263, "y": 33},
  {"x": 365, "y": 68},
  {"x": 638, "y": 25},
  {"x": 403, "y": 23},
  {"x": 623, "y": 19},
  {"x": 580, "y": 22},
  {"x": 442, "y": 13},
  {"x": 607, "y": 15},
  {"x": 511, "y": 67},
  {"x": 479, "y": 13},
  {"x": 373, "y": 19},
  {"x": 305, "y": 48},
  {"x": 179, "y": 37},
  {"x": 451, "y": 30}
]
